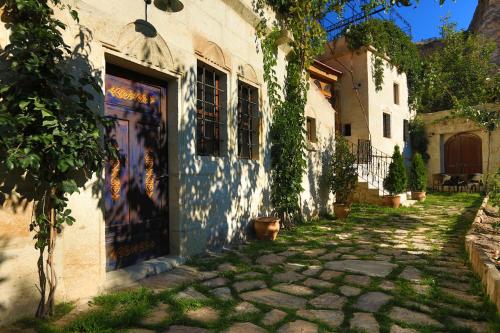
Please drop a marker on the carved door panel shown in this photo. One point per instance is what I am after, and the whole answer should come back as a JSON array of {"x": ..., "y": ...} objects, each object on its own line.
[{"x": 136, "y": 183}]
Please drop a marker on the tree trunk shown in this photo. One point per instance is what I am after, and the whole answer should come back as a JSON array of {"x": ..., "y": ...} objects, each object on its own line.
[
  {"x": 488, "y": 163},
  {"x": 46, "y": 269}
]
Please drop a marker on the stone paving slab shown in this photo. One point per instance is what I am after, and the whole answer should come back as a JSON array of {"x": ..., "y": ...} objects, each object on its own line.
[
  {"x": 274, "y": 299},
  {"x": 298, "y": 326},
  {"x": 309, "y": 287},
  {"x": 273, "y": 317},
  {"x": 374, "y": 268},
  {"x": 331, "y": 318},
  {"x": 372, "y": 301},
  {"x": 364, "y": 322},
  {"x": 245, "y": 328},
  {"x": 413, "y": 317}
]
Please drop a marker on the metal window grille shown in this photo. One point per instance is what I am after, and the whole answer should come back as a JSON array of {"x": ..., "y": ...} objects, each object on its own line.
[
  {"x": 208, "y": 111},
  {"x": 248, "y": 121}
]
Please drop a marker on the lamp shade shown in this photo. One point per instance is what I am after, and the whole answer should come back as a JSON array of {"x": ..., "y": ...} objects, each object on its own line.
[{"x": 169, "y": 5}]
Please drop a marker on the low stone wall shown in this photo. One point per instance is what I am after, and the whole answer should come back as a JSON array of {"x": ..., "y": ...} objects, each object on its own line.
[{"x": 481, "y": 263}]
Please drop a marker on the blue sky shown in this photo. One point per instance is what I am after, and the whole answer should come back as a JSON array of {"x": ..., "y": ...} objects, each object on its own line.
[{"x": 425, "y": 19}]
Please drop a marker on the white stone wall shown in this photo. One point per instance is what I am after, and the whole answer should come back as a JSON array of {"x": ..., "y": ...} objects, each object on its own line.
[
  {"x": 361, "y": 105},
  {"x": 211, "y": 200},
  {"x": 317, "y": 198},
  {"x": 383, "y": 102}
]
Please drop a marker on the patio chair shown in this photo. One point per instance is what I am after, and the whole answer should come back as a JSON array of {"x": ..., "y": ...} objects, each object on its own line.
[
  {"x": 438, "y": 181},
  {"x": 474, "y": 182},
  {"x": 455, "y": 182}
]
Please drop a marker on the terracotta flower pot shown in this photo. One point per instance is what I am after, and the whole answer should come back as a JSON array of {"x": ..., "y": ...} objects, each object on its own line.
[
  {"x": 341, "y": 210},
  {"x": 393, "y": 201},
  {"x": 266, "y": 228},
  {"x": 420, "y": 196}
]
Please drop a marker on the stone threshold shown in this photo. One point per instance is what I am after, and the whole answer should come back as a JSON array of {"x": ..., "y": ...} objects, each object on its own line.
[
  {"x": 481, "y": 264},
  {"x": 129, "y": 276}
]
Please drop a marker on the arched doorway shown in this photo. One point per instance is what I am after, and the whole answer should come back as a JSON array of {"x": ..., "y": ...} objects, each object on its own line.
[{"x": 463, "y": 154}]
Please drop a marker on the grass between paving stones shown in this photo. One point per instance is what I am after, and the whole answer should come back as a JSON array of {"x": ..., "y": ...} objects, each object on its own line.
[{"x": 446, "y": 217}]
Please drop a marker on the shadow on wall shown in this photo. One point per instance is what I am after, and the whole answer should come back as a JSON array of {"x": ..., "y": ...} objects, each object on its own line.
[
  {"x": 4, "y": 242},
  {"x": 318, "y": 173},
  {"x": 218, "y": 196},
  {"x": 219, "y": 193},
  {"x": 18, "y": 190}
]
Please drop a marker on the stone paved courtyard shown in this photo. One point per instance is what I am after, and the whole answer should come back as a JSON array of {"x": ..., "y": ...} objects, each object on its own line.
[{"x": 382, "y": 270}]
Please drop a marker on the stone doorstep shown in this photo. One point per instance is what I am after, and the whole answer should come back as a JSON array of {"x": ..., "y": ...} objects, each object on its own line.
[
  {"x": 128, "y": 276},
  {"x": 490, "y": 276}
]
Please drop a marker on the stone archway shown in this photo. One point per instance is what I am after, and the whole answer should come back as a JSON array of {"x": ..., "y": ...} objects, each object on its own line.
[
  {"x": 463, "y": 154},
  {"x": 141, "y": 41}
]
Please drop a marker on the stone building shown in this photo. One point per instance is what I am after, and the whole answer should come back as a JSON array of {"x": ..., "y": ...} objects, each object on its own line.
[
  {"x": 193, "y": 120},
  {"x": 374, "y": 121},
  {"x": 458, "y": 146}
]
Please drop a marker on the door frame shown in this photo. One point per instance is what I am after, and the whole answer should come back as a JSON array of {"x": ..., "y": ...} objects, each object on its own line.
[
  {"x": 174, "y": 77},
  {"x": 457, "y": 136},
  {"x": 134, "y": 76}
]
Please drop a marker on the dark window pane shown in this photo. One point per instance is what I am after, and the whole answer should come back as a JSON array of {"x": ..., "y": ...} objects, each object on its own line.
[
  {"x": 208, "y": 108},
  {"x": 247, "y": 120}
]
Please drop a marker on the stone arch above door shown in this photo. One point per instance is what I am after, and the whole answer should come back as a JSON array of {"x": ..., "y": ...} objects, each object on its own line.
[
  {"x": 212, "y": 52},
  {"x": 141, "y": 41},
  {"x": 463, "y": 154}
]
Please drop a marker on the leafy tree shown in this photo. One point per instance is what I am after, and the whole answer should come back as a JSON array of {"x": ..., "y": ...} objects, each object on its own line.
[
  {"x": 459, "y": 73},
  {"x": 495, "y": 189},
  {"x": 50, "y": 137},
  {"x": 418, "y": 138},
  {"x": 396, "y": 180},
  {"x": 418, "y": 174},
  {"x": 343, "y": 172}
]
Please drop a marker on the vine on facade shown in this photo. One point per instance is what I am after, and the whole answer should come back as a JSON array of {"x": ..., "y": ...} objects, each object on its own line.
[
  {"x": 302, "y": 19},
  {"x": 388, "y": 42}
]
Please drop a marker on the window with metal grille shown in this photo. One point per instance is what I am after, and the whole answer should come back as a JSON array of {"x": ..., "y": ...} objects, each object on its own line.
[
  {"x": 347, "y": 129},
  {"x": 311, "y": 129},
  {"x": 387, "y": 125},
  {"x": 248, "y": 121},
  {"x": 406, "y": 130},
  {"x": 209, "y": 106}
]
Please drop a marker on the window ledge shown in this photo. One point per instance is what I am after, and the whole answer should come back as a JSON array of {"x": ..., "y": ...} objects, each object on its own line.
[{"x": 311, "y": 146}]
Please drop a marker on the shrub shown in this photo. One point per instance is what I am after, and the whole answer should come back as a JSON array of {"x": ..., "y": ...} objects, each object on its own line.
[
  {"x": 494, "y": 189},
  {"x": 418, "y": 138},
  {"x": 418, "y": 174},
  {"x": 396, "y": 180},
  {"x": 343, "y": 171}
]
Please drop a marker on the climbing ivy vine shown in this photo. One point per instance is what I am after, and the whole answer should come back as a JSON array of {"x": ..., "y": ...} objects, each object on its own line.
[
  {"x": 301, "y": 19},
  {"x": 389, "y": 42}
]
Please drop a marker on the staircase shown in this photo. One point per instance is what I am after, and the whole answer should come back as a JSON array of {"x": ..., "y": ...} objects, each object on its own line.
[{"x": 373, "y": 166}]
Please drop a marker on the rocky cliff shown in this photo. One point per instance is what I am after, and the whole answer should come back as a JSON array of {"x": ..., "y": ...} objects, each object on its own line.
[{"x": 486, "y": 21}]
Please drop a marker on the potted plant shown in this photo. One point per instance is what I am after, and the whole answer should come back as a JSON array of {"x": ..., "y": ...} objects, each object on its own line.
[
  {"x": 266, "y": 228},
  {"x": 343, "y": 177},
  {"x": 418, "y": 178},
  {"x": 396, "y": 180}
]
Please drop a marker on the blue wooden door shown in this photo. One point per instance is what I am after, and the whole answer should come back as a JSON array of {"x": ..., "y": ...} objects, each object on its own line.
[{"x": 136, "y": 182}]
